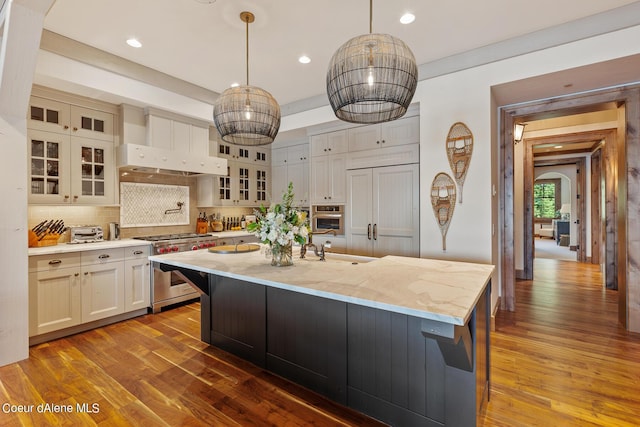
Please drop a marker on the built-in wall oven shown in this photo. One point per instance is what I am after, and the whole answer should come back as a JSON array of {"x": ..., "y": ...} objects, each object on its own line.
[
  {"x": 168, "y": 287},
  {"x": 328, "y": 217}
]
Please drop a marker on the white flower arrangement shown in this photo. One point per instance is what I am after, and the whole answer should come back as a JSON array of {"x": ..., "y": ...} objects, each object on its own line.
[{"x": 281, "y": 224}]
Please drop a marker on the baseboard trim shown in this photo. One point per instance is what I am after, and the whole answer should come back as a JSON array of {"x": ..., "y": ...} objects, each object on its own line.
[{"x": 493, "y": 315}]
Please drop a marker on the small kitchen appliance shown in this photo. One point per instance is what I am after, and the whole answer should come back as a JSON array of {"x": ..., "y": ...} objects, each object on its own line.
[
  {"x": 86, "y": 234},
  {"x": 114, "y": 231}
]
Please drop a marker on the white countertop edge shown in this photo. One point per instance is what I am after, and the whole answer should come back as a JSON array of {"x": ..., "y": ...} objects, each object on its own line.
[
  {"x": 61, "y": 248},
  {"x": 455, "y": 320}
]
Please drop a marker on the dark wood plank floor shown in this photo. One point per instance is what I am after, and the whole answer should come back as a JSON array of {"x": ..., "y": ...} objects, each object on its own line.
[
  {"x": 560, "y": 359},
  {"x": 155, "y": 371}
]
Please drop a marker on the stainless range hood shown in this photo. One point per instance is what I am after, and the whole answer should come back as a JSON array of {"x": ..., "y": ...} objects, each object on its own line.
[{"x": 142, "y": 158}]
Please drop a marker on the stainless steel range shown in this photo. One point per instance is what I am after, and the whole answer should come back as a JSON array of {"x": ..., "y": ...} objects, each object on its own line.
[{"x": 167, "y": 287}]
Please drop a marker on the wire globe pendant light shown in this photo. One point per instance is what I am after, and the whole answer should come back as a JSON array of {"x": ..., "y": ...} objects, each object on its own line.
[
  {"x": 247, "y": 115},
  {"x": 371, "y": 78}
]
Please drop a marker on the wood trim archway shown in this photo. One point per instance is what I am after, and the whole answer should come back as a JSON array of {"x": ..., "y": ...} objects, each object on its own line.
[
  {"x": 609, "y": 138},
  {"x": 627, "y": 152}
]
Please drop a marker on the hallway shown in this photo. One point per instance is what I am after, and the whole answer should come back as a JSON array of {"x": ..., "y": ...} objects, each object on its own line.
[{"x": 562, "y": 358}]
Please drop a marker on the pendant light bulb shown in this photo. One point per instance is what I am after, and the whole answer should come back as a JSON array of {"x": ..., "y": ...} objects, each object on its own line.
[{"x": 247, "y": 109}]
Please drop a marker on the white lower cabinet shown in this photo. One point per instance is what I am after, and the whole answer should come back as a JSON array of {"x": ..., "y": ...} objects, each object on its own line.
[
  {"x": 70, "y": 289},
  {"x": 383, "y": 208},
  {"x": 102, "y": 291},
  {"x": 54, "y": 299},
  {"x": 137, "y": 274}
]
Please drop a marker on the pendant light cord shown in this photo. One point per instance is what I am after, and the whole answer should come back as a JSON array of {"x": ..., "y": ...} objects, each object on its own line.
[
  {"x": 370, "y": 16},
  {"x": 247, "y": 46}
]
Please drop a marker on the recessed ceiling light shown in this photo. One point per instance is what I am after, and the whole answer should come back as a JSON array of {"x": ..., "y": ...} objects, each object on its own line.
[
  {"x": 558, "y": 146},
  {"x": 235, "y": 84},
  {"x": 304, "y": 59},
  {"x": 407, "y": 18},
  {"x": 134, "y": 42}
]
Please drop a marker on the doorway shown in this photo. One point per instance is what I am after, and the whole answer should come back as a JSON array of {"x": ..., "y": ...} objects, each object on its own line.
[{"x": 615, "y": 154}]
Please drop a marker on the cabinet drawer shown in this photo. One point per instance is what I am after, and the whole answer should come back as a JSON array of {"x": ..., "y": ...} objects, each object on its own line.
[
  {"x": 102, "y": 256},
  {"x": 137, "y": 252},
  {"x": 54, "y": 262}
]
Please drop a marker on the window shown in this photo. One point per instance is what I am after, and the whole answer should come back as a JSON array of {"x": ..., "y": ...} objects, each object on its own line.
[{"x": 546, "y": 198}]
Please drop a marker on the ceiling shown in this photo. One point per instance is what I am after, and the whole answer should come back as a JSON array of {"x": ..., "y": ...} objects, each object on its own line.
[{"x": 203, "y": 41}]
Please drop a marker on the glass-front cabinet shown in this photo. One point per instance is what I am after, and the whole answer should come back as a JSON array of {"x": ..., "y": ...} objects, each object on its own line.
[
  {"x": 71, "y": 154},
  {"x": 90, "y": 163},
  {"x": 246, "y": 182},
  {"x": 243, "y": 185},
  {"x": 49, "y": 155}
]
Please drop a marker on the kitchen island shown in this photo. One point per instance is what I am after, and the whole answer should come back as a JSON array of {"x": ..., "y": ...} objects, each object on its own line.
[{"x": 404, "y": 340}]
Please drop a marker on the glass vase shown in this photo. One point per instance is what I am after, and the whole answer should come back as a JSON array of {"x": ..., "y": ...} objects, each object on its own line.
[{"x": 281, "y": 255}]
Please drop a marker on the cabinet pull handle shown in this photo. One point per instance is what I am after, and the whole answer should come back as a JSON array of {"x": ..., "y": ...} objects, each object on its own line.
[
  {"x": 138, "y": 252},
  {"x": 377, "y": 142},
  {"x": 66, "y": 127},
  {"x": 383, "y": 141},
  {"x": 369, "y": 231},
  {"x": 375, "y": 231},
  {"x": 103, "y": 256},
  {"x": 77, "y": 274},
  {"x": 75, "y": 129},
  {"x": 55, "y": 262}
]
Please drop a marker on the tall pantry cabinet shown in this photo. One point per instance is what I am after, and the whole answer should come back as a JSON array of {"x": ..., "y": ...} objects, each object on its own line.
[{"x": 382, "y": 215}]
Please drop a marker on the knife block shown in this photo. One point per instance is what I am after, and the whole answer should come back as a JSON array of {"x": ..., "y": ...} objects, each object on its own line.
[
  {"x": 50, "y": 239},
  {"x": 201, "y": 227}
]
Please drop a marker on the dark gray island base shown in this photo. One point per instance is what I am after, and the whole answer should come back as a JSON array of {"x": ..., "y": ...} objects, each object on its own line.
[{"x": 398, "y": 368}]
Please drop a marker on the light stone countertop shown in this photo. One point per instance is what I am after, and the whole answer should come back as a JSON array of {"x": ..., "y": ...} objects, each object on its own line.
[
  {"x": 445, "y": 291},
  {"x": 62, "y": 248}
]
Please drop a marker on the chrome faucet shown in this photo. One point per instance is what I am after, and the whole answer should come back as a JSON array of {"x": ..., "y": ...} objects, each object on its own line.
[{"x": 310, "y": 244}]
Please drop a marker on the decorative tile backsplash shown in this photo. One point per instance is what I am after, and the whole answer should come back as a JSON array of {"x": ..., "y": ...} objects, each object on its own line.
[{"x": 144, "y": 204}]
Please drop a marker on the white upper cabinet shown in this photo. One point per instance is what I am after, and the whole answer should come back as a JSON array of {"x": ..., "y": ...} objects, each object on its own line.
[
  {"x": 172, "y": 132},
  {"x": 59, "y": 117},
  {"x": 70, "y": 154},
  {"x": 290, "y": 164},
  {"x": 329, "y": 143},
  {"x": 388, "y": 134},
  {"x": 256, "y": 155}
]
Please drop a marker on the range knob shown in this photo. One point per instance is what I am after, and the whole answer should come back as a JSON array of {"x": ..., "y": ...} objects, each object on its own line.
[
  {"x": 161, "y": 250},
  {"x": 174, "y": 249},
  {"x": 194, "y": 248}
]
